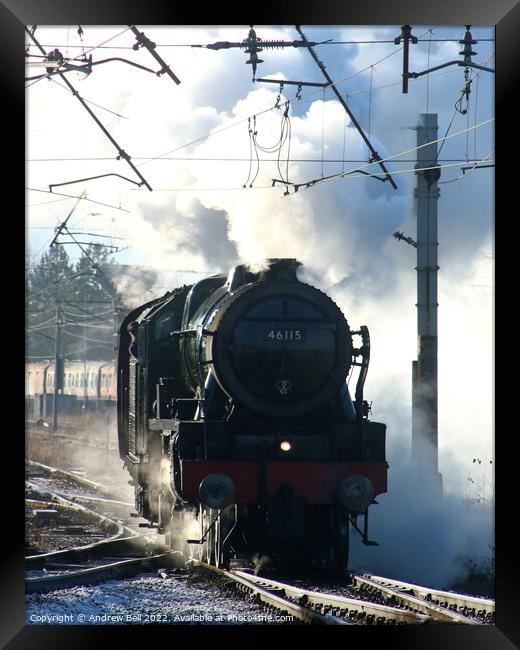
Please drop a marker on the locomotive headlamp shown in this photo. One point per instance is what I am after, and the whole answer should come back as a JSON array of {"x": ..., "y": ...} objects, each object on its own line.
[
  {"x": 217, "y": 491},
  {"x": 355, "y": 493},
  {"x": 285, "y": 445}
]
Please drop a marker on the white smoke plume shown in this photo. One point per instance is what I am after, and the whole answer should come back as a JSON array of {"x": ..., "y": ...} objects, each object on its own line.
[{"x": 134, "y": 284}]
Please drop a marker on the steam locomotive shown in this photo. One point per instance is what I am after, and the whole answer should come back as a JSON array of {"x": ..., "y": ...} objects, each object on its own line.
[{"x": 236, "y": 423}]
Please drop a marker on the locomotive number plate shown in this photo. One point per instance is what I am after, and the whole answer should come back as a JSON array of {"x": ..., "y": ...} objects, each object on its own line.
[{"x": 285, "y": 335}]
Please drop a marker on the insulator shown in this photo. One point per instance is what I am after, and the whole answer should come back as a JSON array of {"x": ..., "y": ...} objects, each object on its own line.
[{"x": 275, "y": 44}]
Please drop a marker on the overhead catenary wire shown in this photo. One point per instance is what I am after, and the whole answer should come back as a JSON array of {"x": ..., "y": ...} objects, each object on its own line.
[
  {"x": 394, "y": 50},
  {"x": 83, "y": 54},
  {"x": 399, "y": 161},
  {"x": 258, "y": 113},
  {"x": 164, "y": 156},
  {"x": 339, "y": 174},
  {"x": 328, "y": 42},
  {"x": 348, "y": 175},
  {"x": 95, "y": 47},
  {"x": 344, "y": 144},
  {"x": 89, "y": 101},
  {"x": 80, "y": 336},
  {"x": 345, "y": 95},
  {"x": 219, "y": 159},
  {"x": 428, "y": 76},
  {"x": 276, "y": 147},
  {"x": 464, "y": 174},
  {"x": 370, "y": 103},
  {"x": 121, "y": 152},
  {"x": 83, "y": 313},
  {"x": 375, "y": 156},
  {"x": 397, "y": 155},
  {"x": 358, "y": 72},
  {"x": 94, "y": 264},
  {"x": 73, "y": 196},
  {"x": 35, "y": 205},
  {"x": 262, "y": 112},
  {"x": 475, "y": 118},
  {"x": 456, "y": 109},
  {"x": 322, "y": 128},
  {"x": 48, "y": 323},
  {"x": 412, "y": 170},
  {"x": 108, "y": 327},
  {"x": 468, "y": 113},
  {"x": 56, "y": 283},
  {"x": 216, "y": 132}
]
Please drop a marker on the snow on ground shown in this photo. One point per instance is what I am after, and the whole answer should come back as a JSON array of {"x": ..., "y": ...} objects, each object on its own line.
[{"x": 142, "y": 600}]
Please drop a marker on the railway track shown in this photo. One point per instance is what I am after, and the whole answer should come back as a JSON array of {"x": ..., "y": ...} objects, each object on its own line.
[
  {"x": 125, "y": 541},
  {"x": 442, "y": 605},
  {"x": 74, "y": 575},
  {"x": 317, "y": 607},
  {"x": 58, "y": 472},
  {"x": 56, "y": 569}
]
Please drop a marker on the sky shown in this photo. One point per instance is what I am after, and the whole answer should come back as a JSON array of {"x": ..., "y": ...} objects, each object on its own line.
[{"x": 213, "y": 205}]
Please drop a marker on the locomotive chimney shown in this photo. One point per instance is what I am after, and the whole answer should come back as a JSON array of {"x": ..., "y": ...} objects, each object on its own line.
[{"x": 283, "y": 269}]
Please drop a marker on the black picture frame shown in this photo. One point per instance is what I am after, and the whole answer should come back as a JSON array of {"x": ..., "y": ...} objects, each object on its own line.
[{"x": 14, "y": 14}]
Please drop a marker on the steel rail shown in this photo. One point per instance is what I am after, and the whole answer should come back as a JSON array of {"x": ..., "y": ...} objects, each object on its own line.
[
  {"x": 124, "y": 535},
  {"x": 318, "y": 599},
  {"x": 300, "y": 611},
  {"x": 86, "y": 497},
  {"x": 93, "y": 574},
  {"x": 99, "y": 487},
  {"x": 438, "y": 613},
  {"x": 450, "y": 598}
]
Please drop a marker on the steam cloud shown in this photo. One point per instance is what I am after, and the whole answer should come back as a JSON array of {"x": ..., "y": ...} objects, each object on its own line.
[{"x": 134, "y": 284}]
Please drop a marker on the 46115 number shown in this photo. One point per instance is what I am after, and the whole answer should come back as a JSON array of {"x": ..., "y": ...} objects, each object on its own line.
[{"x": 284, "y": 335}]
